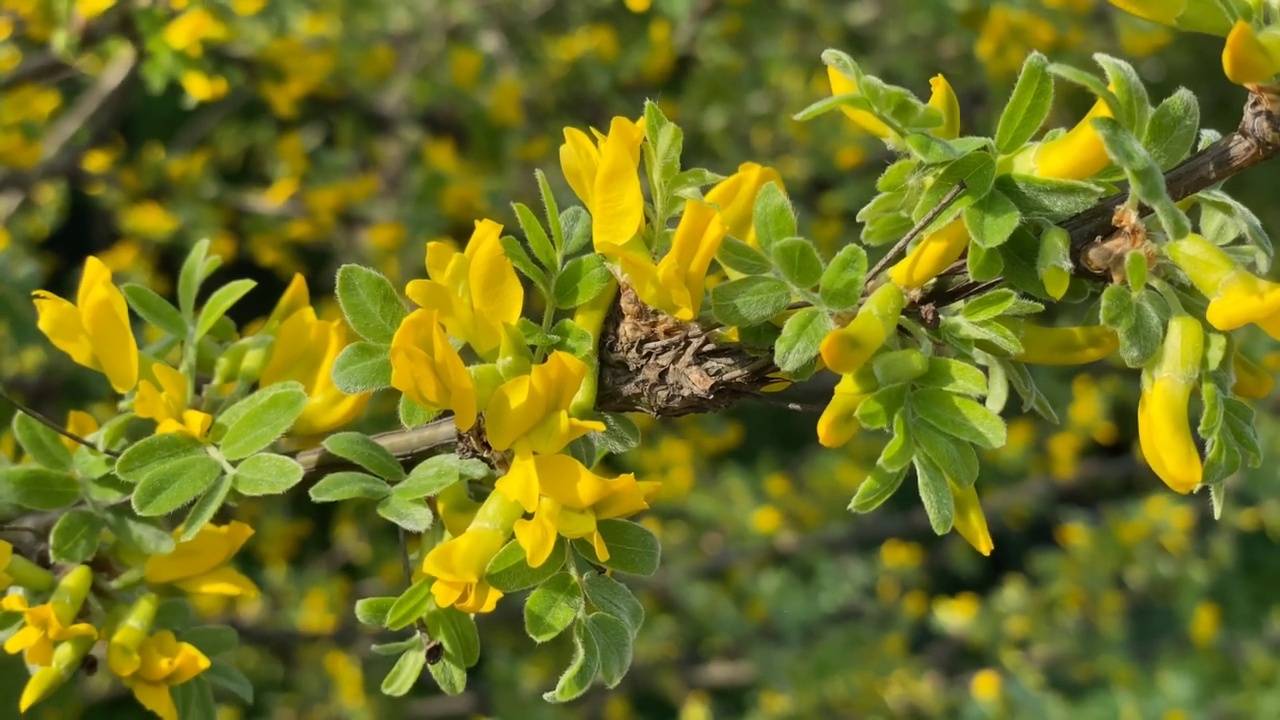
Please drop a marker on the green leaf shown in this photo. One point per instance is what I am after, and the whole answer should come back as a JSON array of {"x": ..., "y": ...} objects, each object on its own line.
[
  {"x": 954, "y": 376},
  {"x": 175, "y": 484},
  {"x": 203, "y": 509},
  {"x": 370, "y": 303},
  {"x": 879, "y": 485},
  {"x": 37, "y": 488},
  {"x": 1048, "y": 199},
  {"x": 552, "y": 607},
  {"x": 194, "y": 699},
  {"x": 550, "y": 209},
  {"x": 1143, "y": 337},
  {"x": 365, "y": 452},
  {"x": 220, "y": 302},
  {"x": 509, "y": 571},
  {"x": 412, "y": 515},
  {"x": 741, "y": 257},
  {"x": 154, "y": 309},
  {"x": 362, "y": 367},
  {"x": 1117, "y": 309},
  {"x": 935, "y": 494},
  {"x": 449, "y": 675},
  {"x": 976, "y": 170},
  {"x": 405, "y": 673},
  {"x": 259, "y": 419},
  {"x": 897, "y": 453},
  {"x": 1129, "y": 90},
  {"x": 801, "y": 338},
  {"x": 774, "y": 218},
  {"x": 456, "y": 630},
  {"x": 139, "y": 535},
  {"x": 992, "y": 219},
  {"x": 959, "y": 416},
  {"x": 1028, "y": 106},
  {"x": 190, "y": 277},
  {"x": 958, "y": 457},
  {"x": 411, "y": 605},
  {"x": 877, "y": 410},
  {"x": 174, "y": 614},
  {"x": 1090, "y": 83},
  {"x": 1032, "y": 399},
  {"x": 42, "y": 443},
  {"x": 349, "y": 486},
  {"x": 612, "y": 597},
  {"x": 212, "y": 639},
  {"x": 514, "y": 250},
  {"x": 541, "y": 245},
  {"x": 577, "y": 228},
  {"x": 827, "y": 104},
  {"x": 749, "y": 300},
  {"x": 413, "y": 415},
  {"x": 989, "y": 305},
  {"x": 1172, "y": 130},
  {"x": 843, "y": 280},
  {"x": 228, "y": 677},
  {"x": 621, "y": 434},
  {"x": 439, "y": 472},
  {"x": 797, "y": 261},
  {"x": 582, "y": 670},
  {"x": 984, "y": 263},
  {"x": 266, "y": 474},
  {"x": 581, "y": 281},
  {"x": 613, "y": 640},
  {"x": 632, "y": 548},
  {"x": 75, "y": 537},
  {"x": 155, "y": 453},
  {"x": 374, "y": 610}
]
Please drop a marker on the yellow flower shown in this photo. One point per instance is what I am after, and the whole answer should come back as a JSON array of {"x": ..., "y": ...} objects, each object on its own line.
[
  {"x": 168, "y": 404},
  {"x": 475, "y": 292},
  {"x": 426, "y": 368},
  {"x": 187, "y": 32},
  {"x": 944, "y": 98},
  {"x": 842, "y": 84},
  {"x": 838, "y": 425},
  {"x": 90, "y": 9},
  {"x": 530, "y": 413},
  {"x": 846, "y": 349},
  {"x": 736, "y": 198},
  {"x": 572, "y": 499},
  {"x": 149, "y": 219},
  {"x": 970, "y": 522},
  {"x": 1163, "y": 429},
  {"x": 1236, "y": 296},
  {"x": 1077, "y": 155},
  {"x": 1251, "y": 57},
  {"x": 50, "y": 623},
  {"x": 199, "y": 565},
  {"x": 458, "y": 567},
  {"x": 203, "y": 88},
  {"x": 1251, "y": 380},
  {"x": 676, "y": 285},
  {"x": 164, "y": 662},
  {"x": 304, "y": 351},
  {"x": 1063, "y": 345},
  {"x": 68, "y": 658},
  {"x": 456, "y": 508},
  {"x": 122, "y": 651},
  {"x": 605, "y": 179},
  {"x": 936, "y": 252},
  {"x": 95, "y": 331}
]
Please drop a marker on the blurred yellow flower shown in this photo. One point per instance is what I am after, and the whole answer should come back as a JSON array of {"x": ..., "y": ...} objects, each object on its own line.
[
  {"x": 304, "y": 351},
  {"x": 203, "y": 88},
  {"x": 167, "y": 404},
  {"x": 1251, "y": 57},
  {"x": 187, "y": 32}
]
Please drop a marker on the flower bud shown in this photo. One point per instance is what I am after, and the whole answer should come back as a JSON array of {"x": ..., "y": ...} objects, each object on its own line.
[
  {"x": 1251, "y": 380},
  {"x": 17, "y": 570},
  {"x": 899, "y": 366},
  {"x": 934, "y": 254},
  {"x": 70, "y": 593},
  {"x": 1062, "y": 345},
  {"x": 1164, "y": 430},
  {"x": 66, "y": 661},
  {"x": 1077, "y": 155},
  {"x": 1250, "y": 57},
  {"x": 970, "y": 522},
  {"x": 838, "y": 423},
  {"x": 122, "y": 650},
  {"x": 846, "y": 349},
  {"x": 1236, "y": 296}
]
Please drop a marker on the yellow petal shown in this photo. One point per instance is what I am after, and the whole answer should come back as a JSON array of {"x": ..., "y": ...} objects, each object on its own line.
[
  {"x": 1246, "y": 59},
  {"x": 520, "y": 483},
  {"x": 1064, "y": 345},
  {"x": 617, "y": 207},
  {"x": 537, "y": 537},
  {"x": 106, "y": 322},
  {"x": 156, "y": 698},
  {"x": 579, "y": 161},
  {"x": 944, "y": 98},
  {"x": 60, "y": 321},
  {"x": 214, "y": 545},
  {"x": 736, "y": 197},
  {"x": 496, "y": 293},
  {"x": 1252, "y": 380},
  {"x": 224, "y": 581},
  {"x": 935, "y": 253},
  {"x": 1077, "y": 155},
  {"x": 970, "y": 522}
]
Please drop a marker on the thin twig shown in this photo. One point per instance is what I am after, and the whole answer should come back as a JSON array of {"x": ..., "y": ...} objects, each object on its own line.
[
  {"x": 34, "y": 415},
  {"x": 915, "y": 231}
]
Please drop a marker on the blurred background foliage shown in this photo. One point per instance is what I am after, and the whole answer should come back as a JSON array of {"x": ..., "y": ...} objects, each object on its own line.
[{"x": 300, "y": 134}]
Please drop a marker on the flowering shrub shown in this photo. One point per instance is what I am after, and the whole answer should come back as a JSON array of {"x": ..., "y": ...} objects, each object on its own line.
[{"x": 518, "y": 360}]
